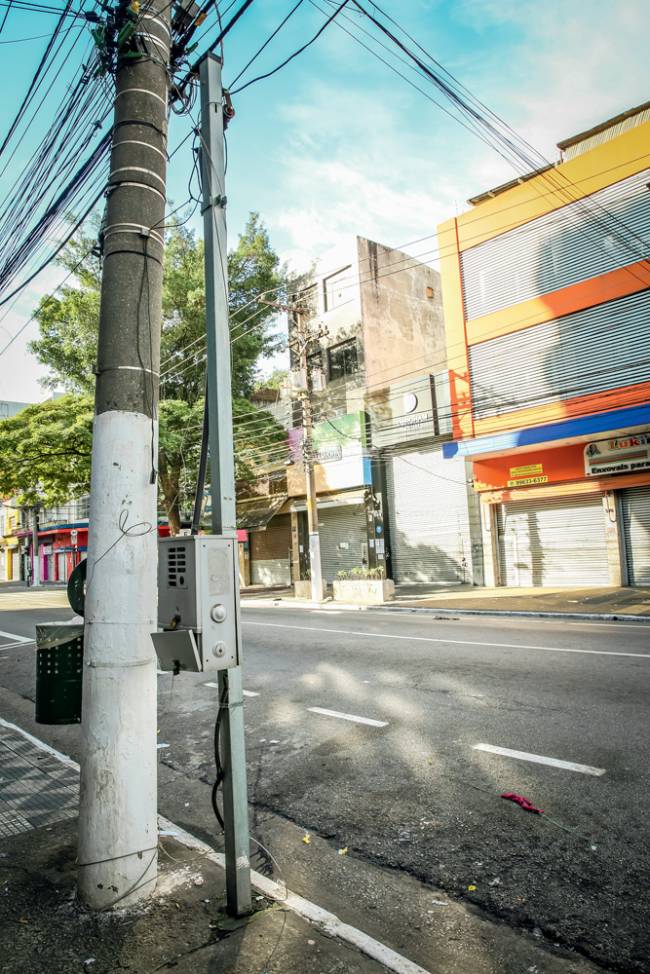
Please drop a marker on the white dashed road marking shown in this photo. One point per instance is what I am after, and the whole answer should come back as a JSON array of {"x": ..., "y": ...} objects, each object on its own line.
[
  {"x": 449, "y": 642},
  {"x": 352, "y": 717},
  {"x": 540, "y": 759},
  {"x": 247, "y": 693}
]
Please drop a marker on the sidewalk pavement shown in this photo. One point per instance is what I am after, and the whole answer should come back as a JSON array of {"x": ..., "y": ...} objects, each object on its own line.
[
  {"x": 591, "y": 603},
  {"x": 467, "y": 599},
  {"x": 44, "y": 929},
  {"x": 385, "y": 919}
]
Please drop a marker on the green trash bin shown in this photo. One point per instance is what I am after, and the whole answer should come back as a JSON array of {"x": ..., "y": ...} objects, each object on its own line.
[{"x": 59, "y": 672}]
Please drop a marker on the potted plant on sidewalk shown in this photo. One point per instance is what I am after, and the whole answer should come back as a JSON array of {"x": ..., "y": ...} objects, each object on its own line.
[{"x": 363, "y": 586}]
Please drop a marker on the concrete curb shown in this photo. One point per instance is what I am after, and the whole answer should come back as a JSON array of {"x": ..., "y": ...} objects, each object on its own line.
[{"x": 445, "y": 613}]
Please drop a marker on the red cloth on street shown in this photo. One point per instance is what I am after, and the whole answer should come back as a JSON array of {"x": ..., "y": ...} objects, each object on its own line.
[{"x": 527, "y": 806}]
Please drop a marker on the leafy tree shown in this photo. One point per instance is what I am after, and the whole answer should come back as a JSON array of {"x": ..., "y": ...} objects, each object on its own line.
[
  {"x": 45, "y": 451},
  {"x": 67, "y": 345},
  {"x": 69, "y": 322}
]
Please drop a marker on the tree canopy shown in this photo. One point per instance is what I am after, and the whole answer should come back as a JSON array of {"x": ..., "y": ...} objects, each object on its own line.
[{"x": 45, "y": 449}]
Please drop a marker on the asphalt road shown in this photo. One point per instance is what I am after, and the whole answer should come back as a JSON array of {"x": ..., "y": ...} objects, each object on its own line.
[{"x": 406, "y": 786}]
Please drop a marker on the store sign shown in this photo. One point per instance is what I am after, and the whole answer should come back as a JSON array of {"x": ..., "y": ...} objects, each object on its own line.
[
  {"x": 622, "y": 454},
  {"x": 527, "y": 476},
  {"x": 328, "y": 453},
  {"x": 405, "y": 415}
]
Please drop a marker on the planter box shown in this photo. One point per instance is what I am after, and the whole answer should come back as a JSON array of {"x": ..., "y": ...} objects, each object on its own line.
[
  {"x": 364, "y": 591},
  {"x": 302, "y": 590}
]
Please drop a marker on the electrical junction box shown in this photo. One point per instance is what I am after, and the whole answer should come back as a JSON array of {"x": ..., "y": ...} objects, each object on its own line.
[{"x": 198, "y": 603}]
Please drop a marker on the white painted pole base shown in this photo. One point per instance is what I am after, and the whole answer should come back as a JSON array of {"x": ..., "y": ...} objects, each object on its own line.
[
  {"x": 315, "y": 569},
  {"x": 118, "y": 832}
]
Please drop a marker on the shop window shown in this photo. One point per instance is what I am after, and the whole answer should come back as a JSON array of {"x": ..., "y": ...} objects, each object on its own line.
[{"x": 343, "y": 360}]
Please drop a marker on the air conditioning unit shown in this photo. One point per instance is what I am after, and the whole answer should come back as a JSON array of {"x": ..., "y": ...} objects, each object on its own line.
[{"x": 198, "y": 603}]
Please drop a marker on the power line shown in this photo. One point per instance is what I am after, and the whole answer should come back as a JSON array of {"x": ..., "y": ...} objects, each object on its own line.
[
  {"x": 295, "y": 54},
  {"x": 273, "y": 34}
]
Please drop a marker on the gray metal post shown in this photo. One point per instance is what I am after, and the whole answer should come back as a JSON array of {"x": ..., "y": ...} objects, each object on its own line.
[{"x": 222, "y": 469}]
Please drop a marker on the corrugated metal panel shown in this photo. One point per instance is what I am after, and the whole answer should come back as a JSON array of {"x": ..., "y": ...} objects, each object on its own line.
[
  {"x": 578, "y": 241},
  {"x": 599, "y": 138},
  {"x": 343, "y": 539},
  {"x": 601, "y": 348},
  {"x": 635, "y": 505},
  {"x": 271, "y": 571},
  {"x": 553, "y": 542},
  {"x": 429, "y": 519}
]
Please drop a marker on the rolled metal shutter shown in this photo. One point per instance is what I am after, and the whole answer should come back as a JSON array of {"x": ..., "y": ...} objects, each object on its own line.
[
  {"x": 635, "y": 507},
  {"x": 16, "y": 572},
  {"x": 429, "y": 518},
  {"x": 559, "y": 542},
  {"x": 583, "y": 239},
  {"x": 599, "y": 348},
  {"x": 343, "y": 539}
]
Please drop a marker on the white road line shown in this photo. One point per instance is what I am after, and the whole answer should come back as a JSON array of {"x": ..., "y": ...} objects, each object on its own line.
[
  {"x": 352, "y": 717},
  {"x": 331, "y": 925},
  {"x": 451, "y": 642},
  {"x": 540, "y": 759},
  {"x": 247, "y": 693},
  {"x": 15, "y": 645},
  {"x": 15, "y": 637}
]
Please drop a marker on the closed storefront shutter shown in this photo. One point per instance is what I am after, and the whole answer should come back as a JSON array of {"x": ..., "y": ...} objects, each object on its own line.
[
  {"x": 63, "y": 570},
  {"x": 635, "y": 506},
  {"x": 555, "y": 542},
  {"x": 270, "y": 548},
  {"x": 16, "y": 573},
  {"x": 343, "y": 539},
  {"x": 432, "y": 520}
]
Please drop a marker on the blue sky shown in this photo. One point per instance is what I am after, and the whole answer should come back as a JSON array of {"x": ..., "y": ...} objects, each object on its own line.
[{"x": 336, "y": 144}]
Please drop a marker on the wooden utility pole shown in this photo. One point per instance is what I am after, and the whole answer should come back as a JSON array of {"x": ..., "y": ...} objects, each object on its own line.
[
  {"x": 303, "y": 339},
  {"x": 118, "y": 832}
]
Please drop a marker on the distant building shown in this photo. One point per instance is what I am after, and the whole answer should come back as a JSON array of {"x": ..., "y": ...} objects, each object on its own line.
[
  {"x": 546, "y": 288},
  {"x": 379, "y": 388},
  {"x": 8, "y": 409}
]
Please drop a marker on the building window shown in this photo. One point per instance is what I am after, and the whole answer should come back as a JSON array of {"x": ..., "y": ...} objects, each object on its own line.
[
  {"x": 337, "y": 289},
  {"x": 343, "y": 360}
]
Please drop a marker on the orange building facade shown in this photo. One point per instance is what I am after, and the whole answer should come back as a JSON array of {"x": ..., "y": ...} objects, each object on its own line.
[{"x": 546, "y": 295}]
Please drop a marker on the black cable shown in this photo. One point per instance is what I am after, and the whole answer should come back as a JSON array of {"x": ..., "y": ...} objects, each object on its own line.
[
  {"x": 203, "y": 466},
  {"x": 58, "y": 250},
  {"x": 218, "y": 781},
  {"x": 467, "y": 109},
  {"x": 193, "y": 71},
  {"x": 35, "y": 82},
  {"x": 38, "y": 37},
  {"x": 266, "y": 42},
  {"x": 4, "y": 19},
  {"x": 295, "y": 54}
]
